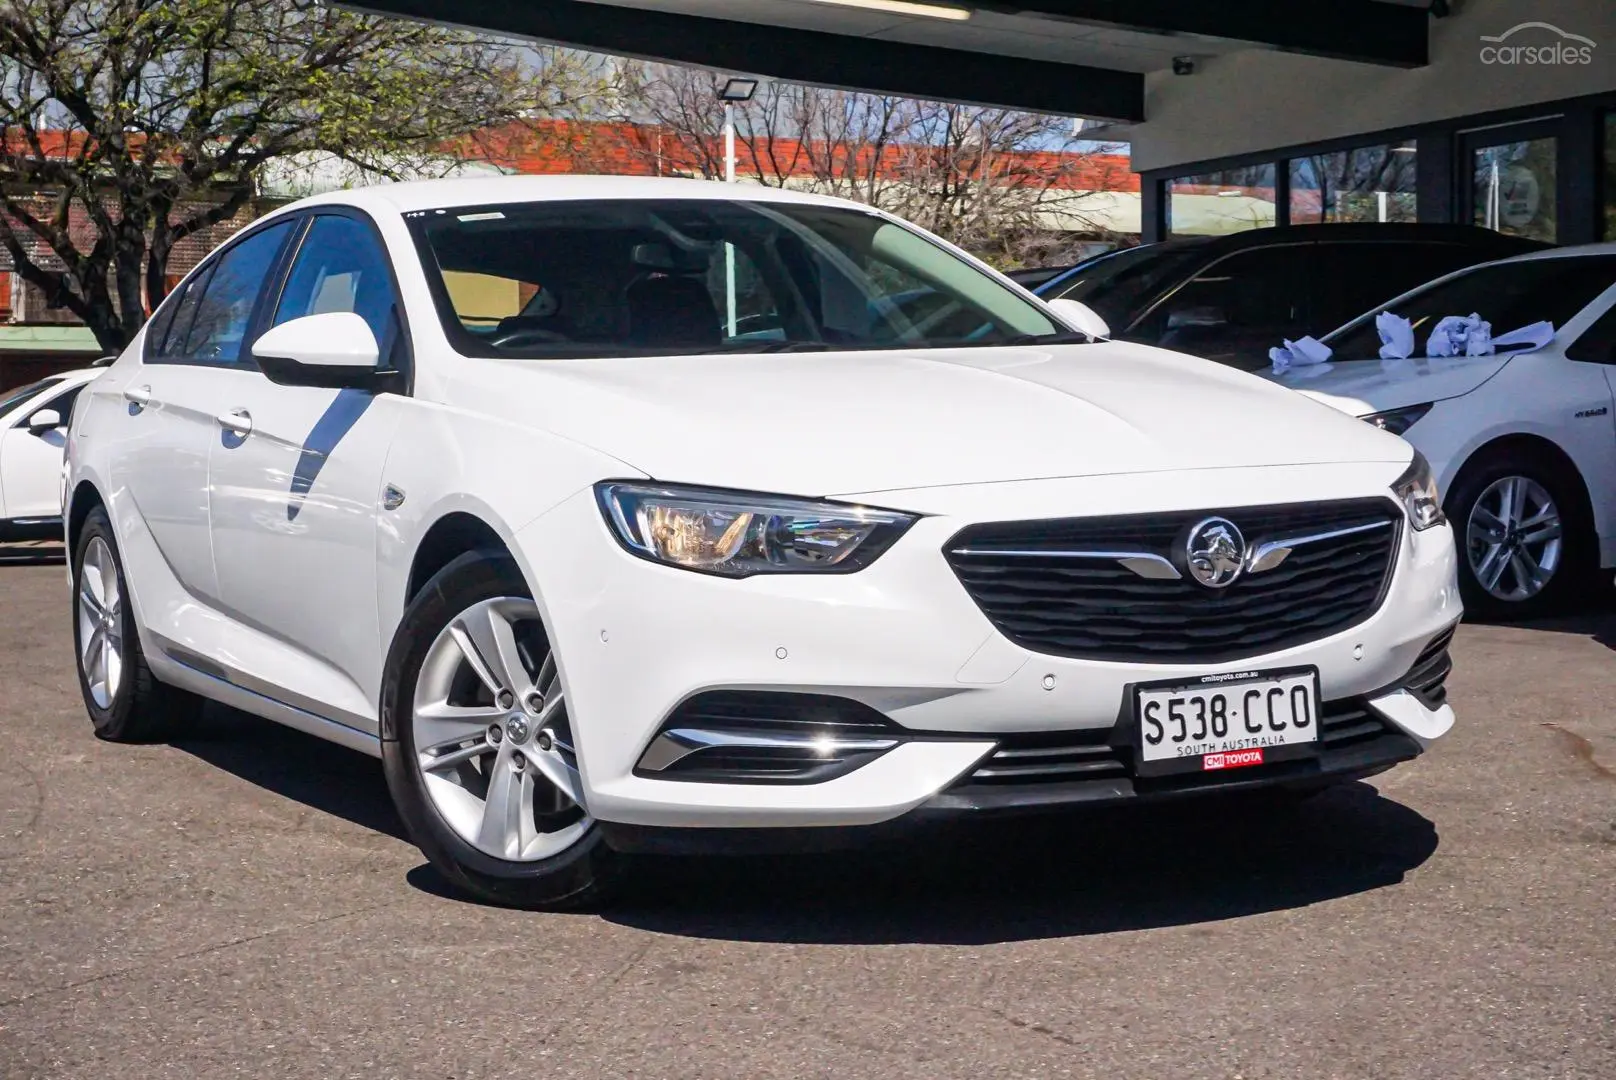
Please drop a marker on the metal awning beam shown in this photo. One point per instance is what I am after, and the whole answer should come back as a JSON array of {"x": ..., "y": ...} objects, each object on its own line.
[
  {"x": 807, "y": 56},
  {"x": 1364, "y": 30}
]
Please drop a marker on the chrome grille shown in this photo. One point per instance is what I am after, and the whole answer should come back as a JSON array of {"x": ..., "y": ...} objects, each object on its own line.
[{"x": 1113, "y": 589}]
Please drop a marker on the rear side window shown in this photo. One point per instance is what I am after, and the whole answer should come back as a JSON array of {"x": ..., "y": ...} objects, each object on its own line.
[
  {"x": 157, "y": 331},
  {"x": 1507, "y": 295},
  {"x": 212, "y": 319},
  {"x": 174, "y": 320},
  {"x": 1597, "y": 345}
]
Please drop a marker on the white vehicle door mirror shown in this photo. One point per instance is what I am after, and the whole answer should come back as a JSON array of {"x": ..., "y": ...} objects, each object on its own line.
[
  {"x": 44, "y": 420},
  {"x": 1081, "y": 317},
  {"x": 336, "y": 349}
]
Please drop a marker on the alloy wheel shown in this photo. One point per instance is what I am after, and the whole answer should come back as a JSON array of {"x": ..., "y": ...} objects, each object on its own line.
[
  {"x": 100, "y": 614},
  {"x": 1514, "y": 538},
  {"x": 492, "y": 740}
]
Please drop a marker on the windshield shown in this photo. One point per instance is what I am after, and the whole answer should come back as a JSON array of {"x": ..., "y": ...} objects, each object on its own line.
[
  {"x": 656, "y": 277},
  {"x": 1507, "y": 295},
  {"x": 1121, "y": 284},
  {"x": 12, "y": 399}
]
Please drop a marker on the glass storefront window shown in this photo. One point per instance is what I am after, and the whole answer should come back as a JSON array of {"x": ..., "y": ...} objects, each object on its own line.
[
  {"x": 1367, "y": 183},
  {"x": 1610, "y": 176},
  {"x": 1227, "y": 201},
  {"x": 1514, "y": 188}
]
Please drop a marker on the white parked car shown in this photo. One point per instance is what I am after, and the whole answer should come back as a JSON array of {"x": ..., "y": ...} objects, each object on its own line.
[
  {"x": 33, "y": 433},
  {"x": 494, "y": 480},
  {"x": 1523, "y": 445}
]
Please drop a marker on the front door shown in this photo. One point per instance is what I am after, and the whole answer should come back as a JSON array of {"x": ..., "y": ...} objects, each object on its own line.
[{"x": 297, "y": 484}]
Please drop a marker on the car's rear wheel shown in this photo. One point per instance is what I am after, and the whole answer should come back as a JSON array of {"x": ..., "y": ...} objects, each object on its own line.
[
  {"x": 1525, "y": 539},
  {"x": 478, "y": 746},
  {"x": 125, "y": 701}
]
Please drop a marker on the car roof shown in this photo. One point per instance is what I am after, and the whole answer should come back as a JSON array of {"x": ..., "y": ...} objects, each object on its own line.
[
  {"x": 1425, "y": 231},
  {"x": 1571, "y": 252},
  {"x": 417, "y": 195}
]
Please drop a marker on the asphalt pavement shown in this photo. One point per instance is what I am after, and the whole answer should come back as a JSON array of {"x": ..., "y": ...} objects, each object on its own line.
[{"x": 241, "y": 903}]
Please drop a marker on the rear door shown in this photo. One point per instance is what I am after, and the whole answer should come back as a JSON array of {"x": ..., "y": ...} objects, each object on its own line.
[{"x": 172, "y": 403}]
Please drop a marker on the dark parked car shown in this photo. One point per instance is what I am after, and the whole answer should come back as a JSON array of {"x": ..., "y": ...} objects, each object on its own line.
[{"x": 1231, "y": 298}]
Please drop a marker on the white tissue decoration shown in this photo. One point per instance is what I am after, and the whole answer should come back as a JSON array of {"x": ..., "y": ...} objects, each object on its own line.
[
  {"x": 1305, "y": 351},
  {"x": 1454, "y": 335},
  {"x": 1396, "y": 336},
  {"x": 1460, "y": 335},
  {"x": 1533, "y": 337}
]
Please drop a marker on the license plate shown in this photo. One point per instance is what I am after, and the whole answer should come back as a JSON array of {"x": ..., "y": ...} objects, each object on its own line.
[{"x": 1226, "y": 722}]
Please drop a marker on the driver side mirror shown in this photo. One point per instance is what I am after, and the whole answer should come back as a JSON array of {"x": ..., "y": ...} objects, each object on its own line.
[
  {"x": 336, "y": 350},
  {"x": 1080, "y": 316},
  {"x": 44, "y": 420}
]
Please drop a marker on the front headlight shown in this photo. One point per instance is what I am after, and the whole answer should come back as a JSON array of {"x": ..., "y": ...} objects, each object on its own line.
[
  {"x": 1416, "y": 488},
  {"x": 738, "y": 534},
  {"x": 1398, "y": 421}
]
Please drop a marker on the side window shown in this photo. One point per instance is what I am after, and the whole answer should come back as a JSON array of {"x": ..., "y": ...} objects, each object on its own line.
[
  {"x": 62, "y": 403},
  {"x": 220, "y": 317},
  {"x": 16, "y": 399},
  {"x": 1237, "y": 307},
  {"x": 341, "y": 266},
  {"x": 1350, "y": 279},
  {"x": 173, "y": 322},
  {"x": 1597, "y": 345},
  {"x": 157, "y": 330}
]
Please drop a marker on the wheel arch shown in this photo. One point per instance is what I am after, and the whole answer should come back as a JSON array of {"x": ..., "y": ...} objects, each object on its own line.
[
  {"x": 456, "y": 533},
  {"x": 84, "y": 498},
  {"x": 1528, "y": 444}
]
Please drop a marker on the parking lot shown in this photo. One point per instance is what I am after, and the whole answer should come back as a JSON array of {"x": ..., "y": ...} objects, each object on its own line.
[{"x": 242, "y": 903}]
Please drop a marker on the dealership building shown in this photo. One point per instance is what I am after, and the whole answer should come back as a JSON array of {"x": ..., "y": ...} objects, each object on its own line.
[{"x": 1497, "y": 112}]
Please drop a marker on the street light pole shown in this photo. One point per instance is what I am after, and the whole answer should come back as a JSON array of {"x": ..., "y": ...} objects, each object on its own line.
[
  {"x": 729, "y": 141},
  {"x": 732, "y": 91},
  {"x": 729, "y": 249}
]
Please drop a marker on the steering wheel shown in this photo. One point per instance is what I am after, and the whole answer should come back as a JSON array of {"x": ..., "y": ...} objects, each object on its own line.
[{"x": 527, "y": 335}]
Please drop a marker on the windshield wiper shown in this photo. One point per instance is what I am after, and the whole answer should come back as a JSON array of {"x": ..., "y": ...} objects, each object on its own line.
[
  {"x": 1060, "y": 337},
  {"x": 775, "y": 347}
]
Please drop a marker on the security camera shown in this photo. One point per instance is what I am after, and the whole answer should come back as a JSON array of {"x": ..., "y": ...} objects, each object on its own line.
[{"x": 1183, "y": 65}]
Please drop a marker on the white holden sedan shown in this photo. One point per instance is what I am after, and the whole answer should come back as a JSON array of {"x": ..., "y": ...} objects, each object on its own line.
[
  {"x": 1522, "y": 443},
  {"x": 619, "y": 515}
]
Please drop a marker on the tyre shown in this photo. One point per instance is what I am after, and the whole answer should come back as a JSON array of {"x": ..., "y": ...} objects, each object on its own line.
[
  {"x": 478, "y": 748},
  {"x": 1525, "y": 537},
  {"x": 125, "y": 701}
]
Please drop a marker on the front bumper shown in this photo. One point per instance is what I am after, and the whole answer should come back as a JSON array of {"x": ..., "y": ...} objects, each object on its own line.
[{"x": 903, "y": 638}]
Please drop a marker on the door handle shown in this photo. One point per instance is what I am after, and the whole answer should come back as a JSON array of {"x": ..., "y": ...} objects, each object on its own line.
[
  {"x": 138, "y": 397},
  {"x": 236, "y": 420}
]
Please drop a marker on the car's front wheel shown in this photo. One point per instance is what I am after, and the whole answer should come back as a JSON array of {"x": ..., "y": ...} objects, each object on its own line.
[
  {"x": 478, "y": 747},
  {"x": 1526, "y": 542}
]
